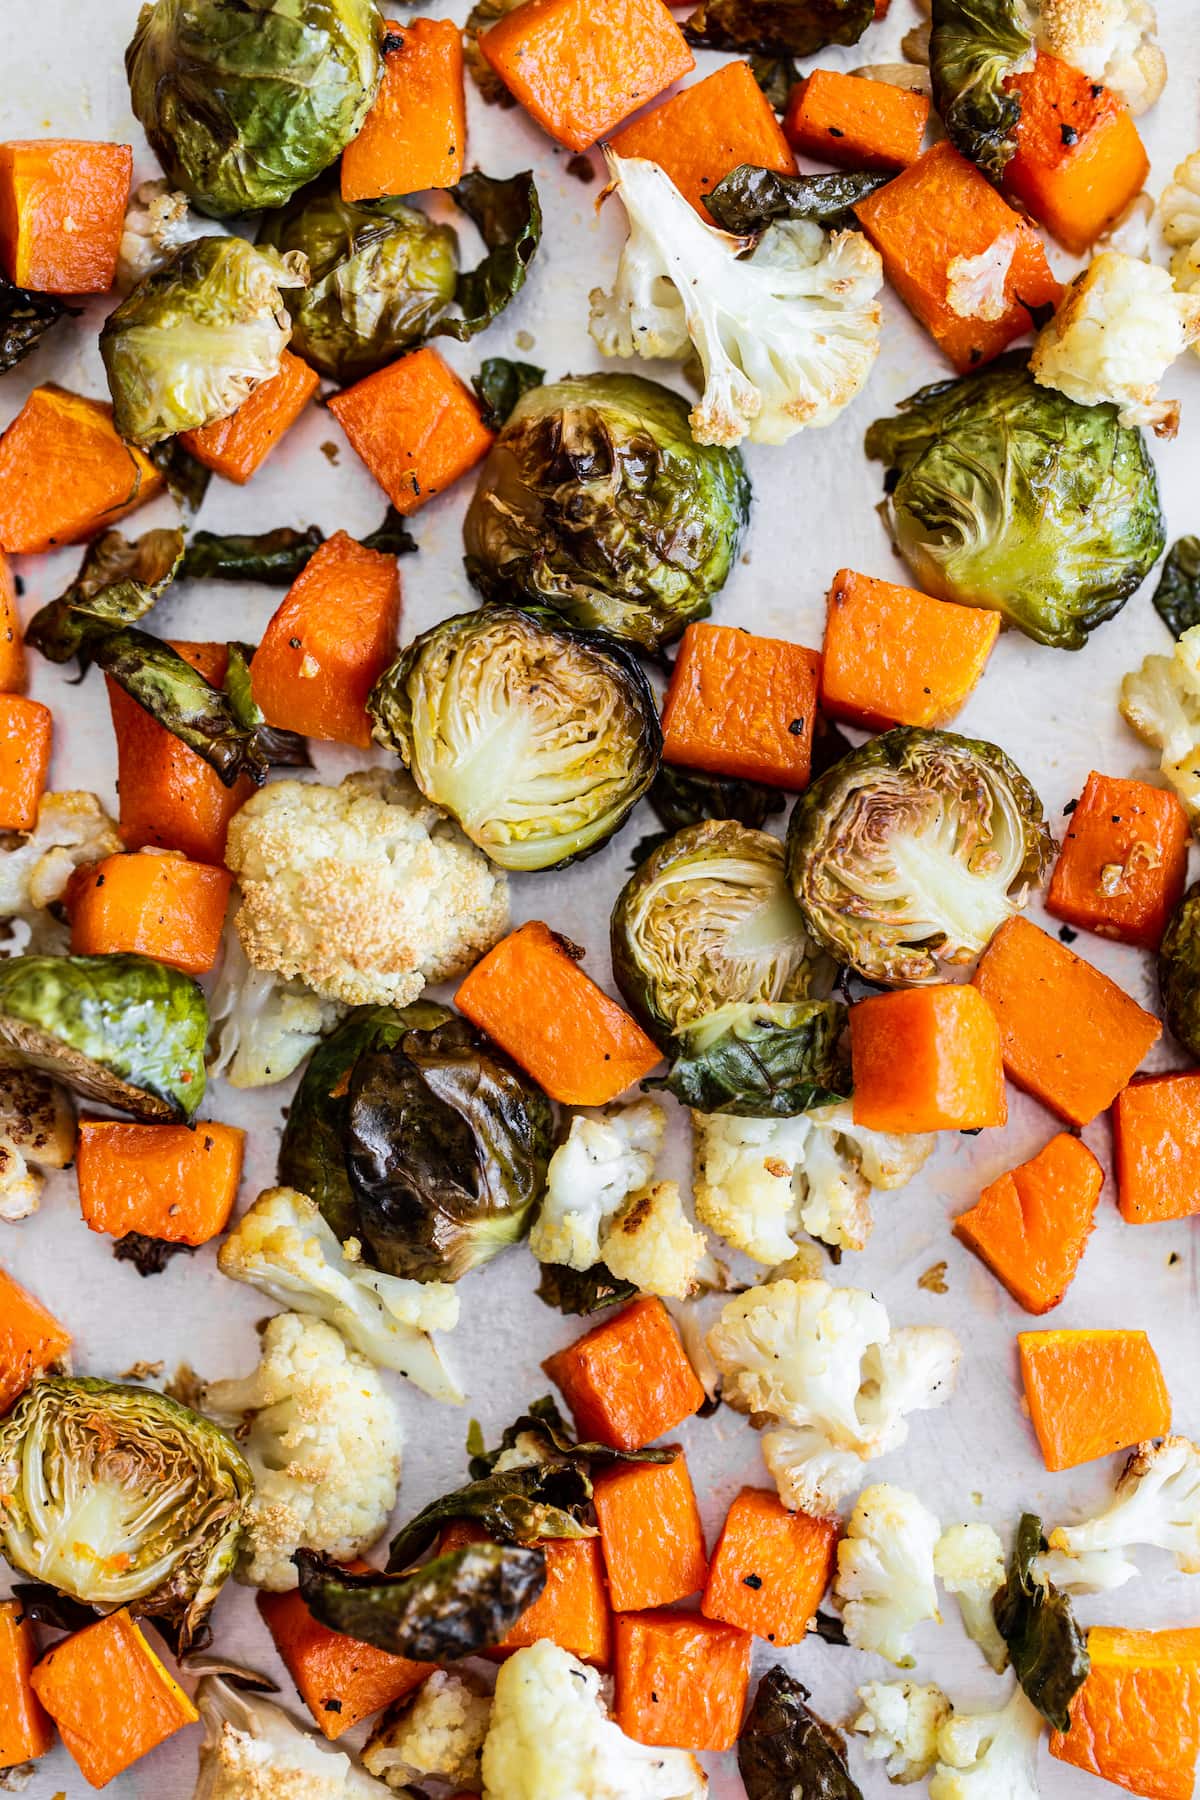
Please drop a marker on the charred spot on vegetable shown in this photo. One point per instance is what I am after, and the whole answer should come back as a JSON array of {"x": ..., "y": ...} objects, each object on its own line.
[
  {"x": 149, "y": 1255},
  {"x": 1068, "y": 134},
  {"x": 787, "y": 1751},
  {"x": 1047, "y": 1649},
  {"x": 778, "y": 27}
]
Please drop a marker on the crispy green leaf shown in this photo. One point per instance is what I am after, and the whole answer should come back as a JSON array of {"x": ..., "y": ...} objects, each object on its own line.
[
  {"x": 770, "y": 1060},
  {"x": 1177, "y": 596},
  {"x": 500, "y": 384},
  {"x": 749, "y": 199},
  {"x": 25, "y": 318},
  {"x": 283, "y": 749},
  {"x": 518, "y": 1506},
  {"x": 392, "y": 537},
  {"x": 974, "y": 46},
  {"x": 178, "y": 696},
  {"x": 776, "y": 76},
  {"x": 186, "y": 477},
  {"x": 786, "y": 1752},
  {"x": 1046, "y": 1647},
  {"x": 273, "y": 557},
  {"x": 682, "y": 797},
  {"x": 452, "y": 1607},
  {"x": 778, "y": 27},
  {"x": 578, "y": 1292},
  {"x": 544, "y": 1434},
  {"x": 119, "y": 580},
  {"x": 508, "y": 216}
]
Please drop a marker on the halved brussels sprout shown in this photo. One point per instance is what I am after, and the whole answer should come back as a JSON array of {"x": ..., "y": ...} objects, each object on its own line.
[
  {"x": 119, "y": 1496},
  {"x": 1008, "y": 495},
  {"x": 121, "y": 1029},
  {"x": 596, "y": 500},
  {"x": 381, "y": 272},
  {"x": 537, "y": 739},
  {"x": 194, "y": 339},
  {"x": 706, "y": 921},
  {"x": 243, "y": 101},
  {"x": 909, "y": 854},
  {"x": 763, "y": 1059}
]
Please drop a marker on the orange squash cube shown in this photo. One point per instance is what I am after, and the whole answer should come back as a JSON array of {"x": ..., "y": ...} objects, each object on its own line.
[
  {"x": 110, "y": 1697},
  {"x": 1136, "y": 1719},
  {"x": 12, "y": 643},
  {"x": 173, "y": 1182},
  {"x": 705, "y": 131},
  {"x": 417, "y": 427},
  {"x": 1079, "y": 160},
  {"x": 239, "y": 445},
  {"x": 893, "y": 656},
  {"x": 31, "y": 1340},
  {"x": 627, "y": 1381},
  {"x": 742, "y": 705},
  {"x": 1123, "y": 863},
  {"x": 161, "y": 906},
  {"x": 855, "y": 122},
  {"x": 62, "y": 212},
  {"x": 26, "y": 734},
  {"x": 927, "y": 1059},
  {"x": 340, "y": 1680},
  {"x": 1092, "y": 1392},
  {"x": 651, "y": 1533},
  {"x": 65, "y": 474},
  {"x": 415, "y": 135},
  {"x": 1156, "y": 1138},
  {"x": 1031, "y": 1225},
  {"x": 681, "y": 1680},
  {"x": 25, "y": 1729},
  {"x": 770, "y": 1568}
]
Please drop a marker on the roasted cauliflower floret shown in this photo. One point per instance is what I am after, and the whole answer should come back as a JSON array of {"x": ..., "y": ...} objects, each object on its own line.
[
  {"x": 35, "y": 866},
  {"x": 1157, "y": 1501},
  {"x": 900, "y": 1720},
  {"x": 652, "y": 1244},
  {"x": 1161, "y": 702},
  {"x": 885, "y": 1582},
  {"x": 322, "y": 1436},
  {"x": 158, "y": 221},
  {"x": 1120, "y": 327},
  {"x": 1111, "y": 41},
  {"x": 989, "y": 1756},
  {"x": 436, "y": 1734},
  {"x": 364, "y": 891},
  {"x": 262, "y": 1027},
  {"x": 37, "y": 1131},
  {"x": 969, "y": 1563},
  {"x": 252, "y": 1750},
  {"x": 1179, "y": 215},
  {"x": 605, "y": 1157},
  {"x": 785, "y": 336},
  {"x": 977, "y": 286}
]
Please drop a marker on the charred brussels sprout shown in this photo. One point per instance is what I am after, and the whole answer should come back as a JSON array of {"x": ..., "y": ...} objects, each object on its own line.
[
  {"x": 763, "y": 1060},
  {"x": 778, "y": 27},
  {"x": 121, "y": 1029},
  {"x": 786, "y": 1752},
  {"x": 974, "y": 46},
  {"x": 244, "y": 103},
  {"x": 910, "y": 853},
  {"x": 1179, "y": 972},
  {"x": 194, "y": 339},
  {"x": 595, "y": 500},
  {"x": 25, "y": 318},
  {"x": 381, "y": 275},
  {"x": 447, "y": 1145},
  {"x": 705, "y": 922},
  {"x": 1008, "y": 495},
  {"x": 449, "y": 1608},
  {"x": 537, "y": 739},
  {"x": 119, "y": 1496}
]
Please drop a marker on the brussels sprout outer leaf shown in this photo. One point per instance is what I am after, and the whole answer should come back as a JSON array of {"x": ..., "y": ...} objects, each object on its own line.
[
  {"x": 170, "y": 1486},
  {"x": 681, "y": 797},
  {"x": 776, "y": 76},
  {"x": 273, "y": 557},
  {"x": 1047, "y": 1649},
  {"x": 1177, "y": 596},
  {"x": 500, "y": 384},
  {"x": 508, "y": 216},
  {"x": 281, "y": 748},
  {"x": 121, "y": 1029},
  {"x": 577, "y": 1292},
  {"x": 311, "y": 1156},
  {"x": 392, "y": 537},
  {"x": 186, "y": 476},
  {"x": 518, "y": 1506},
  {"x": 454, "y": 1606},
  {"x": 46, "y": 1606},
  {"x": 778, "y": 27},
  {"x": 487, "y": 82},
  {"x": 447, "y": 1146},
  {"x": 786, "y": 1752},
  {"x": 1179, "y": 972},
  {"x": 117, "y": 584},
  {"x": 766, "y": 1061},
  {"x": 749, "y": 199},
  {"x": 25, "y": 318},
  {"x": 149, "y": 1255},
  {"x": 543, "y": 1431},
  {"x": 178, "y": 696},
  {"x": 974, "y": 46}
]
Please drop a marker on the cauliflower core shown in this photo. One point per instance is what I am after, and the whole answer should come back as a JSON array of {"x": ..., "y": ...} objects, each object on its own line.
[
  {"x": 364, "y": 891},
  {"x": 989, "y": 1756},
  {"x": 322, "y": 1436},
  {"x": 436, "y": 1734}
]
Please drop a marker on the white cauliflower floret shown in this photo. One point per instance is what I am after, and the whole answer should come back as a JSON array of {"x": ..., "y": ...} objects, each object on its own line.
[
  {"x": 977, "y": 286},
  {"x": 1161, "y": 702},
  {"x": 822, "y": 1365},
  {"x": 786, "y": 336},
  {"x": 1119, "y": 328},
  {"x": 900, "y": 1721},
  {"x": 37, "y": 1131},
  {"x": 322, "y": 1436},
  {"x": 284, "y": 1247},
  {"x": 364, "y": 891},
  {"x": 261, "y": 1027},
  {"x": 605, "y": 1157},
  {"x": 1179, "y": 215},
  {"x": 35, "y": 866},
  {"x": 1091, "y": 1572},
  {"x": 1157, "y": 1501},
  {"x": 760, "y": 1183},
  {"x": 550, "y": 1739},
  {"x": 989, "y": 1756},
  {"x": 969, "y": 1563},
  {"x": 653, "y": 1245},
  {"x": 1110, "y": 41},
  {"x": 158, "y": 221},
  {"x": 438, "y": 1732},
  {"x": 885, "y": 1582},
  {"x": 252, "y": 1750}
]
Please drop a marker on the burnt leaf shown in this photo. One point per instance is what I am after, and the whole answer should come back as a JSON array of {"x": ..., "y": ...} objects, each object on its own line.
[
  {"x": 1046, "y": 1646},
  {"x": 149, "y": 1255},
  {"x": 749, "y": 199},
  {"x": 517, "y": 1506},
  {"x": 829, "y": 1629},
  {"x": 776, "y": 76},
  {"x": 273, "y": 557},
  {"x": 452, "y": 1607},
  {"x": 508, "y": 217},
  {"x": 1177, "y": 596},
  {"x": 25, "y": 318},
  {"x": 778, "y": 27},
  {"x": 45, "y": 1605},
  {"x": 500, "y": 384},
  {"x": 119, "y": 580},
  {"x": 392, "y": 537},
  {"x": 543, "y": 1434},
  {"x": 577, "y": 1292},
  {"x": 974, "y": 46},
  {"x": 186, "y": 477},
  {"x": 179, "y": 697},
  {"x": 786, "y": 1752},
  {"x": 681, "y": 797}
]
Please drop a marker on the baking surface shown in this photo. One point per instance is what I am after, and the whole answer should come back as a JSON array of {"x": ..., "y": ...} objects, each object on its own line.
[{"x": 814, "y": 512}]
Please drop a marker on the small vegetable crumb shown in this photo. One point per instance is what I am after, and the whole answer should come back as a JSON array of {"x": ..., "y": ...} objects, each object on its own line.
[{"x": 934, "y": 1279}]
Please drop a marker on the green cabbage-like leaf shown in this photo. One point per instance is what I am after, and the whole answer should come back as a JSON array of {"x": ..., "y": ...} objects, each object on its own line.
[
  {"x": 25, "y": 318},
  {"x": 680, "y": 797},
  {"x": 454, "y": 1606},
  {"x": 118, "y": 582},
  {"x": 200, "y": 715},
  {"x": 273, "y": 557},
  {"x": 763, "y": 1060},
  {"x": 786, "y": 1752},
  {"x": 1046, "y": 1646},
  {"x": 508, "y": 216},
  {"x": 500, "y": 383},
  {"x": 579, "y": 1292},
  {"x": 778, "y": 27},
  {"x": 974, "y": 47},
  {"x": 749, "y": 199},
  {"x": 1177, "y": 596}
]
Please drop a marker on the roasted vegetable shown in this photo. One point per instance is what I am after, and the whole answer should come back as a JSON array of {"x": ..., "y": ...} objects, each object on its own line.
[
  {"x": 537, "y": 739},
  {"x": 762, "y": 1059},
  {"x": 501, "y": 383},
  {"x": 749, "y": 199},
  {"x": 680, "y": 797},
  {"x": 25, "y": 318},
  {"x": 974, "y": 46},
  {"x": 508, "y": 216},
  {"x": 1177, "y": 596},
  {"x": 447, "y": 1145},
  {"x": 121, "y": 1029},
  {"x": 117, "y": 584},
  {"x": 1179, "y": 972},
  {"x": 37, "y": 1132},
  {"x": 910, "y": 853},
  {"x": 1047, "y": 1649},
  {"x": 276, "y": 557},
  {"x": 449, "y": 1608},
  {"x": 778, "y": 27},
  {"x": 704, "y": 922},
  {"x": 1008, "y": 495},
  {"x": 577, "y": 1292},
  {"x": 595, "y": 500},
  {"x": 120, "y": 1496},
  {"x": 241, "y": 111},
  {"x": 202, "y": 716},
  {"x": 248, "y": 1741},
  {"x": 786, "y": 1752}
]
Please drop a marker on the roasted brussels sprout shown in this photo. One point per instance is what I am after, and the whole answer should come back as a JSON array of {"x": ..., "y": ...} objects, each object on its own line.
[
  {"x": 1008, "y": 495},
  {"x": 596, "y": 500},
  {"x": 778, "y": 27},
  {"x": 381, "y": 275},
  {"x": 243, "y": 104},
  {"x": 974, "y": 46},
  {"x": 501, "y": 382},
  {"x": 680, "y": 797},
  {"x": 537, "y": 739},
  {"x": 909, "y": 854},
  {"x": 707, "y": 921},
  {"x": 119, "y": 1496},
  {"x": 1179, "y": 972},
  {"x": 786, "y": 1752},
  {"x": 1177, "y": 596},
  {"x": 454, "y": 1606},
  {"x": 194, "y": 339},
  {"x": 121, "y": 1029},
  {"x": 763, "y": 1059}
]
